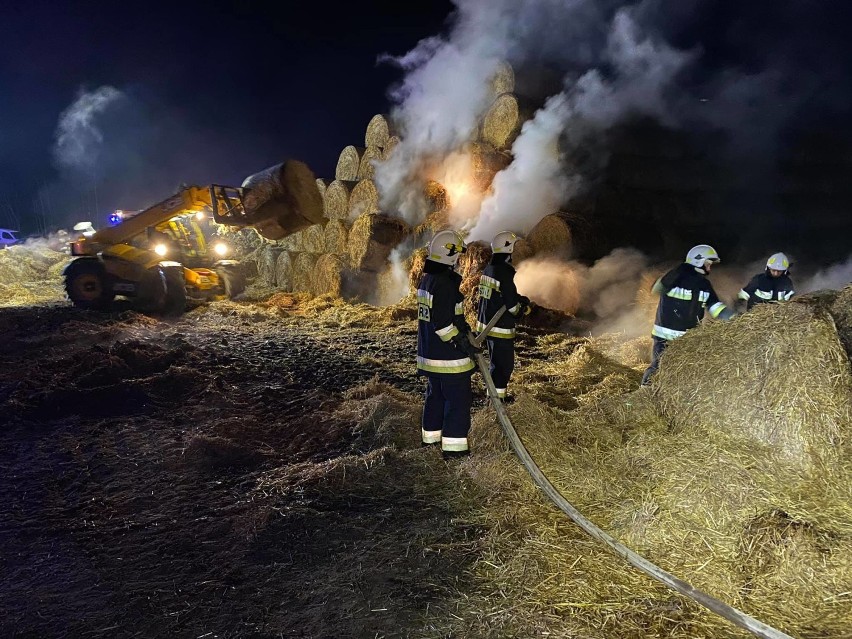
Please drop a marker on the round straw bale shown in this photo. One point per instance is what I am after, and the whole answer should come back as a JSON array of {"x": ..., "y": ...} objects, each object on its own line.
[
  {"x": 267, "y": 259},
  {"x": 337, "y": 199},
  {"x": 292, "y": 242},
  {"x": 313, "y": 239},
  {"x": 378, "y": 131},
  {"x": 434, "y": 222},
  {"x": 371, "y": 240},
  {"x": 366, "y": 169},
  {"x": 348, "y": 163},
  {"x": 417, "y": 262},
  {"x": 284, "y": 271},
  {"x": 326, "y": 277},
  {"x": 390, "y": 145},
  {"x": 303, "y": 272},
  {"x": 436, "y": 195},
  {"x": 523, "y": 250},
  {"x": 503, "y": 80},
  {"x": 777, "y": 375},
  {"x": 552, "y": 235},
  {"x": 487, "y": 162},
  {"x": 503, "y": 120},
  {"x": 363, "y": 200},
  {"x": 322, "y": 185},
  {"x": 841, "y": 311},
  {"x": 282, "y": 199},
  {"x": 335, "y": 237}
]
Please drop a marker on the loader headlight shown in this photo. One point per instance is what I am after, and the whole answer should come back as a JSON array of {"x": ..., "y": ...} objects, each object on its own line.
[
  {"x": 161, "y": 249},
  {"x": 221, "y": 248},
  {"x": 200, "y": 215}
]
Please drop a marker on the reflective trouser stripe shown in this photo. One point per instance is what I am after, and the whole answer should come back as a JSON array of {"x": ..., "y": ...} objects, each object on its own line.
[
  {"x": 666, "y": 333},
  {"x": 454, "y": 444},
  {"x": 430, "y": 436},
  {"x": 445, "y": 365}
]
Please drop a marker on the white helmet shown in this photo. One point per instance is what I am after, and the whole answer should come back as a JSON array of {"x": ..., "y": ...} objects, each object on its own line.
[
  {"x": 778, "y": 262},
  {"x": 697, "y": 255},
  {"x": 445, "y": 247},
  {"x": 504, "y": 242}
]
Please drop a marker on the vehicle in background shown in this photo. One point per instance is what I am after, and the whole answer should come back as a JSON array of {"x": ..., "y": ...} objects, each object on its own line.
[{"x": 7, "y": 238}]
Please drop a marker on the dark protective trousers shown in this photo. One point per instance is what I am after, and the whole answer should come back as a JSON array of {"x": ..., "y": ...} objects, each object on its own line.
[
  {"x": 447, "y": 406},
  {"x": 659, "y": 346},
  {"x": 502, "y": 354}
]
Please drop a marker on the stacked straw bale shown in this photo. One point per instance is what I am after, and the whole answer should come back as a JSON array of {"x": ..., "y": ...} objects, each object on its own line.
[
  {"x": 433, "y": 223},
  {"x": 841, "y": 311},
  {"x": 363, "y": 200},
  {"x": 390, "y": 145},
  {"x": 551, "y": 236},
  {"x": 503, "y": 80},
  {"x": 503, "y": 120},
  {"x": 416, "y": 264},
  {"x": 777, "y": 375},
  {"x": 284, "y": 271},
  {"x": 366, "y": 169},
  {"x": 335, "y": 237},
  {"x": 303, "y": 272},
  {"x": 313, "y": 240},
  {"x": 322, "y": 185},
  {"x": 379, "y": 131},
  {"x": 267, "y": 260},
  {"x": 371, "y": 240},
  {"x": 348, "y": 163},
  {"x": 326, "y": 276},
  {"x": 487, "y": 161},
  {"x": 337, "y": 196}
]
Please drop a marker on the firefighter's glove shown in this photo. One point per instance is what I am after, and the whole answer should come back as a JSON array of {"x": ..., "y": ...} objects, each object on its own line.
[
  {"x": 526, "y": 306},
  {"x": 462, "y": 342}
]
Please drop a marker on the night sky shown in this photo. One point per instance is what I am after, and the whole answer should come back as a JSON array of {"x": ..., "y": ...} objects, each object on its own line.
[{"x": 227, "y": 88}]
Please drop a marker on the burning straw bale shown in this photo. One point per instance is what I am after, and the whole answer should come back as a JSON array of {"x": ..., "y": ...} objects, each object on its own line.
[
  {"x": 371, "y": 155},
  {"x": 379, "y": 130},
  {"x": 777, "y": 375},
  {"x": 348, "y": 163},
  {"x": 337, "y": 196},
  {"x": 371, "y": 240},
  {"x": 363, "y": 200},
  {"x": 486, "y": 162},
  {"x": 336, "y": 238}
]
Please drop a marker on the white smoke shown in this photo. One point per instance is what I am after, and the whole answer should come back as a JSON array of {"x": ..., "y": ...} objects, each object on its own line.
[
  {"x": 446, "y": 91},
  {"x": 835, "y": 276},
  {"x": 79, "y": 133}
]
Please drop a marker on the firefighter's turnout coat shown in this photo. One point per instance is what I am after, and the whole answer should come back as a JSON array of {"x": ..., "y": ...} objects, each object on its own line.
[
  {"x": 684, "y": 295},
  {"x": 440, "y": 318},
  {"x": 496, "y": 289},
  {"x": 764, "y": 288}
]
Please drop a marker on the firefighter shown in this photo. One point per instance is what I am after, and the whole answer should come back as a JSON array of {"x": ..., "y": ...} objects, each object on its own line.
[
  {"x": 773, "y": 285},
  {"x": 684, "y": 293},
  {"x": 497, "y": 289},
  {"x": 444, "y": 349}
]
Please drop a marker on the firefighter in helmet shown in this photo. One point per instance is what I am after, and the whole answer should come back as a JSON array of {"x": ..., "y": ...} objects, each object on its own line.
[
  {"x": 685, "y": 293},
  {"x": 497, "y": 289},
  {"x": 444, "y": 349},
  {"x": 773, "y": 285}
]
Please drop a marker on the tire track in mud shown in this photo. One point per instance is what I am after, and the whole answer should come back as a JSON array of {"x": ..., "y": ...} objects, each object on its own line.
[{"x": 129, "y": 455}]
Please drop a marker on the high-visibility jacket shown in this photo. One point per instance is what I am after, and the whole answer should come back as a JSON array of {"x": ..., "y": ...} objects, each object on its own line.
[
  {"x": 496, "y": 289},
  {"x": 764, "y": 288},
  {"x": 684, "y": 295},
  {"x": 440, "y": 314}
]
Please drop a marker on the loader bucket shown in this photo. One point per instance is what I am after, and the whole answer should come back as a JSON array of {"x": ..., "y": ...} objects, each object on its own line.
[{"x": 278, "y": 201}]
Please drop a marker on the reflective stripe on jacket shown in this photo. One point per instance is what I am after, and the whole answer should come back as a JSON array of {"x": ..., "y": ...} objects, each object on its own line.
[
  {"x": 684, "y": 297},
  {"x": 764, "y": 288},
  {"x": 440, "y": 312},
  {"x": 496, "y": 289}
]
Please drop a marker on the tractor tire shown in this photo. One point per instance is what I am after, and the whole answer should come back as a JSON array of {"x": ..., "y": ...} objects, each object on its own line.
[
  {"x": 175, "y": 302},
  {"x": 232, "y": 279},
  {"x": 88, "y": 286}
]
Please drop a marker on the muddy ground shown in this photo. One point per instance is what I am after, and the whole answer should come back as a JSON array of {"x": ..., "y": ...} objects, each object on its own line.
[{"x": 188, "y": 478}]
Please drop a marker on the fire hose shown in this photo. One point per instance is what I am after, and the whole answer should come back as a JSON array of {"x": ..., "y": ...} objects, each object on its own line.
[{"x": 735, "y": 616}]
